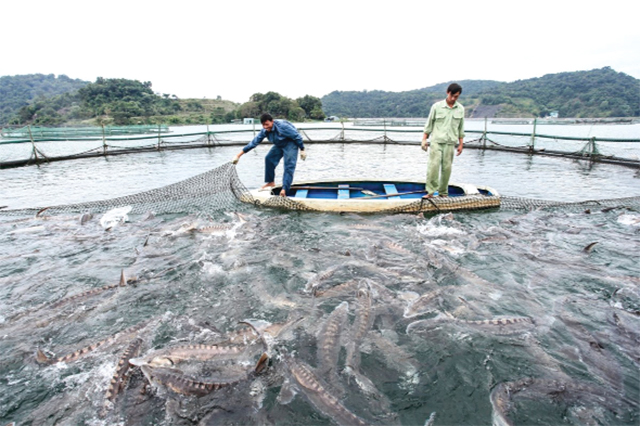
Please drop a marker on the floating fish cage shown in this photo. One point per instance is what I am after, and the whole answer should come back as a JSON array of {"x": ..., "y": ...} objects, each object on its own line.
[{"x": 43, "y": 133}]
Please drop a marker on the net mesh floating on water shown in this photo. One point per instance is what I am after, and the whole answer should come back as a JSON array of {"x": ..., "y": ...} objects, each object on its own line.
[{"x": 220, "y": 189}]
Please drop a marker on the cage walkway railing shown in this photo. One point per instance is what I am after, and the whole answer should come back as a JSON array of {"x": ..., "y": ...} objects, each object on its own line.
[{"x": 110, "y": 145}]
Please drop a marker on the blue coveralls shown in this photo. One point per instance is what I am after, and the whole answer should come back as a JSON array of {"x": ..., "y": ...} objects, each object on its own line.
[{"x": 286, "y": 141}]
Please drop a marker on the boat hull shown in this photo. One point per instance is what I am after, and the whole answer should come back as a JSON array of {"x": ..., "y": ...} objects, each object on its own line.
[{"x": 368, "y": 196}]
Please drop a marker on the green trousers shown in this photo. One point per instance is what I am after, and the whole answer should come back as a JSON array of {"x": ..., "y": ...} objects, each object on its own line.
[{"x": 439, "y": 167}]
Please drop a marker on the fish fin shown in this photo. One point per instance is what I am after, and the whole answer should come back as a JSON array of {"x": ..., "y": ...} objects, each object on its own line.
[
  {"x": 259, "y": 333},
  {"x": 287, "y": 393},
  {"x": 430, "y": 420},
  {"x": 41, "y": 358},
  {"x": 41, "y": 211},
  {"x": 123, "y": 279},
  {"x": 449, "y": 315},
  {"x": 262, "y": 363}
]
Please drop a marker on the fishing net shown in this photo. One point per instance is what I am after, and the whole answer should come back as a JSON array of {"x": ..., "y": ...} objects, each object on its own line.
[
  {"x": 220, "y": 189},
  {"x": 519, "y": 203},
  {"x": 216, "y": 189}
]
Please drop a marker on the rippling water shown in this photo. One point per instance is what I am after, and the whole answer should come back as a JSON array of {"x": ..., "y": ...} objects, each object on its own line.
[{"x": 439, "y": 286}]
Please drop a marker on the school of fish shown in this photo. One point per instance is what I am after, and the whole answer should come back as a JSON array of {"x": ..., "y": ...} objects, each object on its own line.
[{"x": 263, "y": 317}]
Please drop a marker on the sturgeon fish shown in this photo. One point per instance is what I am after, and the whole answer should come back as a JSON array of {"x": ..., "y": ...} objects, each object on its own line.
[
  {"x": 264, "y": 331},
  {"x": 84, "y": 295},
  {"x": 422, "y": 305},
  {"x": 329, "y": 342},
  {"x": 367, "y": 226},
  {"x": 177, "y": 382},
  {"x": 227, "y": 229},
  {"x": 89, "y": 293},
  {"x": 397, "y": 248},
  {"x": 44, "y": 359},
  {"x": 568, "y": 391},
  {"x": 360, "y": 328},
  {"x": 338, "y": 290},
  {"x": 505, "y": 325},
  {"x": 214, "y": 229},
  {"x": 121, "y": 376},
  {"x": 313, "y": 283},
  {"x": 323, "y": 401},
  {"x": 172, "y": 356}
]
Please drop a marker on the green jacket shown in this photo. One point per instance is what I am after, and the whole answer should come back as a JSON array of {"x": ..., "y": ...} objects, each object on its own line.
[{"x": 445, "y": 125}]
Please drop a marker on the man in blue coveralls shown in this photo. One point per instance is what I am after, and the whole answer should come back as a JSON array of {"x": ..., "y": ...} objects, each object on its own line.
[{"x": 286, "y": 141}]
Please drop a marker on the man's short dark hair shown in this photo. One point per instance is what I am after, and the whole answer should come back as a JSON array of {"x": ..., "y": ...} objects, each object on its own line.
[
  {"x": 265, "y": 117},
  {"x": 454, "y": 88}
]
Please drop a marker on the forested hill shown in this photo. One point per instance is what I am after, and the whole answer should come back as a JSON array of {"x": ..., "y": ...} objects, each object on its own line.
[
  {"x": 596, "y": 93},
  {"x": 121, "y": 101},
  {"x": 413, "y": 103},
  {"x": 20, "y": 90}
]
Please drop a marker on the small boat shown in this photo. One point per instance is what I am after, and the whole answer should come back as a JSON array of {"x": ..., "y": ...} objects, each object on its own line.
[{"x": 370, "y": 196}]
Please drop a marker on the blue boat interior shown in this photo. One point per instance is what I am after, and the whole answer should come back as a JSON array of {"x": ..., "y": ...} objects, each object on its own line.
[{"x": 375, "y": 190}]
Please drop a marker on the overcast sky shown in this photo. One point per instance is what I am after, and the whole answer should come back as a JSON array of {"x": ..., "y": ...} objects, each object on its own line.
[{"x": 233, "y": 49}]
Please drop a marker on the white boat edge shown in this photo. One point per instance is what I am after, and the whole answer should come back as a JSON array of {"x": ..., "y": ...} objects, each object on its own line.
[{"x": 364, "y": 205}]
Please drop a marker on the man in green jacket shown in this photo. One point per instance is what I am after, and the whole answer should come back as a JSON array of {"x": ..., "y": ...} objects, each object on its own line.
[{"x": 446, "y": 128}]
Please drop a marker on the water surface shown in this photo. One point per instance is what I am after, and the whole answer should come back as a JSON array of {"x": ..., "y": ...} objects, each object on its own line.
[{"x": 438, "y": 286}]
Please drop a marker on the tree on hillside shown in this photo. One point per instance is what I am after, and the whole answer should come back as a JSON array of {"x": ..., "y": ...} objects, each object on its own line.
[
  {"x": 107, "y": 94},
  {"x": 275, "y": 104},
  {"x": 312, "y": 107},
  {"x": 21, "y": 90},
  {"x": 119, "y": 100}
]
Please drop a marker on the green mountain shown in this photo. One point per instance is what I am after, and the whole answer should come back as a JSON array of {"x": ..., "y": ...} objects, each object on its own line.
[
  {"x": 106, "y": 101},
  {"x": 596, "y": 93},
  {"x": 20, "y": 90},
  {"x": 121, "y": 101},
  {"x": 413, "y": 103}
]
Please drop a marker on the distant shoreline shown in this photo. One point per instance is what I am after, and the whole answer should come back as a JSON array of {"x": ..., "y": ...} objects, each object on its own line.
[{"x": 499, "y": 120}]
